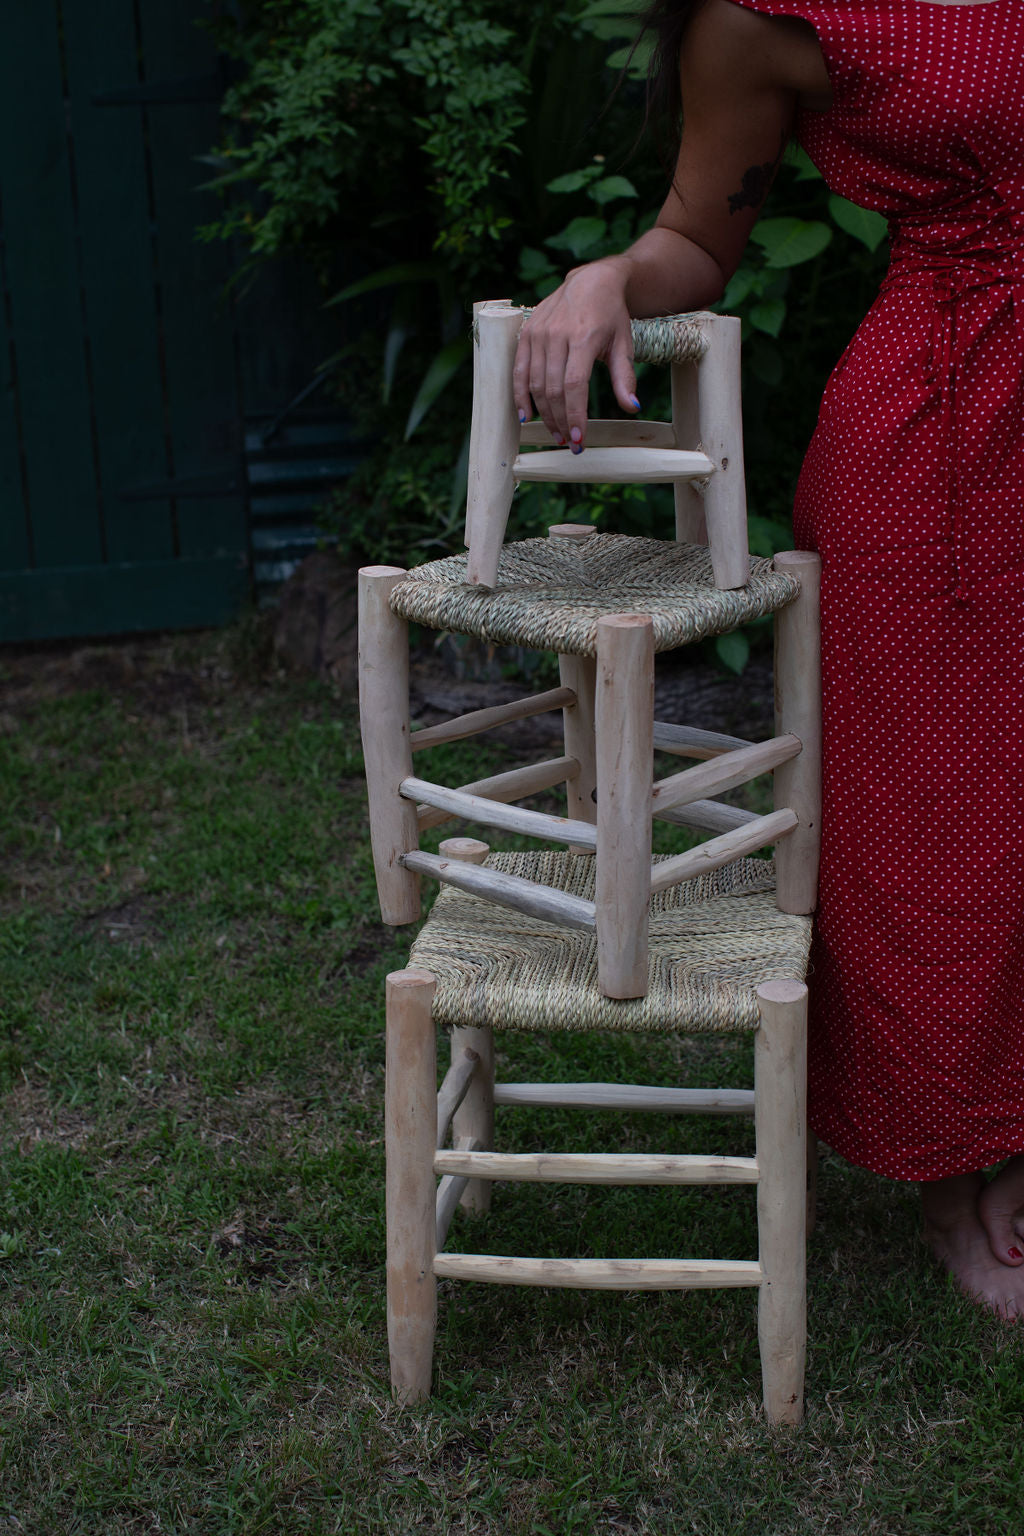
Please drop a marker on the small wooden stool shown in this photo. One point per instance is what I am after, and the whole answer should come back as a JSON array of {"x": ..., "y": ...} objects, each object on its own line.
[{"x": 722, "y": 957}]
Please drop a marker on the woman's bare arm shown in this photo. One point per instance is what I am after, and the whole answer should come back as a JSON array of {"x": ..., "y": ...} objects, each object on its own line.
[{"x": 743, "y": 76}]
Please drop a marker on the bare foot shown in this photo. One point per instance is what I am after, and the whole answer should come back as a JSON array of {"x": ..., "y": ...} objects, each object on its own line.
[
  {"x": 1001, "y": 1208},
  {"x": 954, "y": 1231}
]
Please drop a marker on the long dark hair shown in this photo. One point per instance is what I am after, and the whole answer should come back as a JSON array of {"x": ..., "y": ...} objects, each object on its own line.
[{"x": 665, "y": 22}]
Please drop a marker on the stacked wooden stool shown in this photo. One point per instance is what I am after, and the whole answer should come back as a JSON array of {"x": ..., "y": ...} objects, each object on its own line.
[{"x": 601, "y": 935}]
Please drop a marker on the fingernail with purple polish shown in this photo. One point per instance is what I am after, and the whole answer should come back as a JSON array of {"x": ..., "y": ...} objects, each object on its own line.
[
  {"x": 576, "y": 434},
  {"x": 634, "y": 402},
  {"x": 559, "y": 439},
  {"x": 522, "y": 417}
]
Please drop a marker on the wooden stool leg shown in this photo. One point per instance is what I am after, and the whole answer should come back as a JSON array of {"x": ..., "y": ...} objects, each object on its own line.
[
  {"x": 798, "y": 710},
  {"x": 493, "y": 438},
  {"x": 384, "y": 720},
  {"x": 780, "y": 1119},
  {"x": 410, "y": 1134},
  {"x": 721, "y": 438},
  {"x": 691, "y": 527},
  {"x": 475, "y": 1115},
  {"x": 580, "y": 674},
  {"x": 624, "y": 713}
]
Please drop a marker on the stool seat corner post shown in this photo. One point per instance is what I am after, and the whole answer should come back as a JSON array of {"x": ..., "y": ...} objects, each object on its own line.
[
  {"x": 386, "y": 733},
  {"x": 494, "y": 438},
  {"x": 780, "y": 1124},
  {"x": 410, "y": 1135},
  {"x": 721, "y": 438},
  {"x": 797, "y": 783},
  {"x": 624, "y": 728}
]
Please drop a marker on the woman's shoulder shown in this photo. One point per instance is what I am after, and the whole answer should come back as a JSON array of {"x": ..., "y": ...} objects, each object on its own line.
[{"x": 776, "y": 41}]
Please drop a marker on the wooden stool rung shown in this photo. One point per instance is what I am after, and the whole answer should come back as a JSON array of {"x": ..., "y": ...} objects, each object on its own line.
[
  {"x": 598, "y": 1167},
  {"x": 453, "y": 1090},
  {"x": 628, "y": 1097},
  {"x": 722, "y": 850},
  {"x": 599, "y": 1274}
]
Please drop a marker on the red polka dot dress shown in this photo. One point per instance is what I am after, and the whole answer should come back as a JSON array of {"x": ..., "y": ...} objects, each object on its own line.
[{"x": 913, "y": 492}]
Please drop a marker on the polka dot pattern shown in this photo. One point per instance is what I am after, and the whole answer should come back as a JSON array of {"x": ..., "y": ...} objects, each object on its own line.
[{"x": 912, "y": 491}]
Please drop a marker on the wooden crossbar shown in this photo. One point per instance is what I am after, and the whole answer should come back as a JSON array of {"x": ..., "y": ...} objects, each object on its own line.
[
  {"x": 600, "y": 1274},
  {"x": 607, "y": 434},
  {"x": 614, "y": 466},
  {"x": 598, "y": 1167},
  {"x": 453, "y": 1090},
  {"x": 722, "y": 850},
  {"x": 690, "y": 741},
  {"x": 506, "y": 890},
  {"x": 724, "y": 772},
  {"x": 479, "y": 720},
  {"x": 492, "y": 813},
  {"x": 709, "y": 815},
  {"x": 449, "y": 1193},
  {"x": 627, "y": 1096},
  {"x": 514, "y": 784}
]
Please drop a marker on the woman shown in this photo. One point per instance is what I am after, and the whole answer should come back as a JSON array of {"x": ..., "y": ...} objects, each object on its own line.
[{"x": 913, "y": 492}]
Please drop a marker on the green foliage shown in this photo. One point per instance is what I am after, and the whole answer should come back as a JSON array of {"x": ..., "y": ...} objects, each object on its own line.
[{"x": 423, "y": 153}]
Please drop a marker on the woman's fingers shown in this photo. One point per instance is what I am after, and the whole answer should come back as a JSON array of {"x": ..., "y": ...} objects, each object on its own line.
[{"x": 621, "y": 370}]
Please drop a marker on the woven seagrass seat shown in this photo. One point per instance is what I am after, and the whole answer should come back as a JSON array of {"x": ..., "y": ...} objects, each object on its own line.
[
  {"x": 722, "y": 958},
  {"x": 550, "y": 593},
  {"x": 699, "y": 451},
  {"x": 713, "y": 941}
]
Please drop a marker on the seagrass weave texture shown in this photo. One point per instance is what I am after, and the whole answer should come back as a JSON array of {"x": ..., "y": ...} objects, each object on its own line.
[
  {"x": 665, "y": 339},
  {"x": 551, "y": 592},
  {"x": 713, "y": 941}
]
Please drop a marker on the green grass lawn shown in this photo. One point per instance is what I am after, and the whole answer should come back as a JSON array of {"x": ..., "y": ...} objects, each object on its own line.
[{"x": 191, "y": 1207}]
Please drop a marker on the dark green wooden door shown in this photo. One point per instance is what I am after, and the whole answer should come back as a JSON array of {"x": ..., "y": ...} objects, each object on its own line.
[{"x": 122, "y": 503}]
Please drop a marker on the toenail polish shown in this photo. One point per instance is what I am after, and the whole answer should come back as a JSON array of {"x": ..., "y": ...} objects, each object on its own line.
[{"x": 1015, "y": 1253}]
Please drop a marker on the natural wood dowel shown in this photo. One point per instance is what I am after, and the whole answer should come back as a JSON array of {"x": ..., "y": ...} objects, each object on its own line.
[
  {"x": 613, "y": 466},
  {"x": 598, "y": 1167},
  {"x": 688, "y": 741},
  {"x": 410, "y": 1133},
  {"x": 608, "y": 434},
  {"x": 798, "y": 696},
  {"x": 449, "y": 1192},
  {"x": 724, "y": 772},
  {"x": 454, "y": 1089},
  {"x": 474, "y": 1118},
  {"x": 577, "y": 532},
  {"x": 492, "y": 813},
  {"x": 780, "y": 1120},
  {"x": 624, "y": 714},
  {"x": 722, "y": 850},
  {"x": 599, "y": 1274},
  {"x": 486, "y": 719},
  {"x": 514, "y": 784},
  {"x": 627, "y": 1096},
  {"x": 494, "y": 438},
  {"x": 384, "y": 721},
  {"x": 691, "y": 527},
  {"x": 721, "y": 437},
  {"x": 580, "y": 674},
  {"x": 508, "y": 890},
  {"x": 710, "y": 815}
]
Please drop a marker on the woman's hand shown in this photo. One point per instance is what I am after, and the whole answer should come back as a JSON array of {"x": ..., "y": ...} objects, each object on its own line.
[{"x": 583, "y": 320}]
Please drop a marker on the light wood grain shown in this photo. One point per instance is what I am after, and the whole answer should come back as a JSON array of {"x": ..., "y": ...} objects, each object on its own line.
[
  {"x": 507, "y": 890},
  {"x": 624, "y": 715},
  {"x": 798, "y": 709},
  {"x": 454, "y": 1089},
  {"x": 579, "y": 673},
  {"x": 613, "y": 466},
  {"x": 384, "y": 722},
  {"x": 478, "y": 720},
  {"x": 627, "y": 1096},
  {"x": 494, "y": 438},
  {"x": 599, "y": 1274},
  {"x": 691, "y": 527},
  {"x": 598, "y": 1167},
  {"x": 689, "y": 741},
  {"x": 780, "y": 1125},
  {"x": 410, "y": 1134},
  {"x": 513, "y": 784},
  {"x": 709, "y": 815},
  {"x": 492, "y": 813},
  {"x": 450, "y": 1191},
  {"x": 721, "y": 438},
  {"x": 722, "y": 850},
  {"x": 724, "y": 772},
  {"x": 474, "y": 1118}
]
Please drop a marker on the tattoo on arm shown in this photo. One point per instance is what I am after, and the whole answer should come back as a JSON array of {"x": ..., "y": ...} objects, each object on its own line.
[{"x": 754, "y": 186}]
